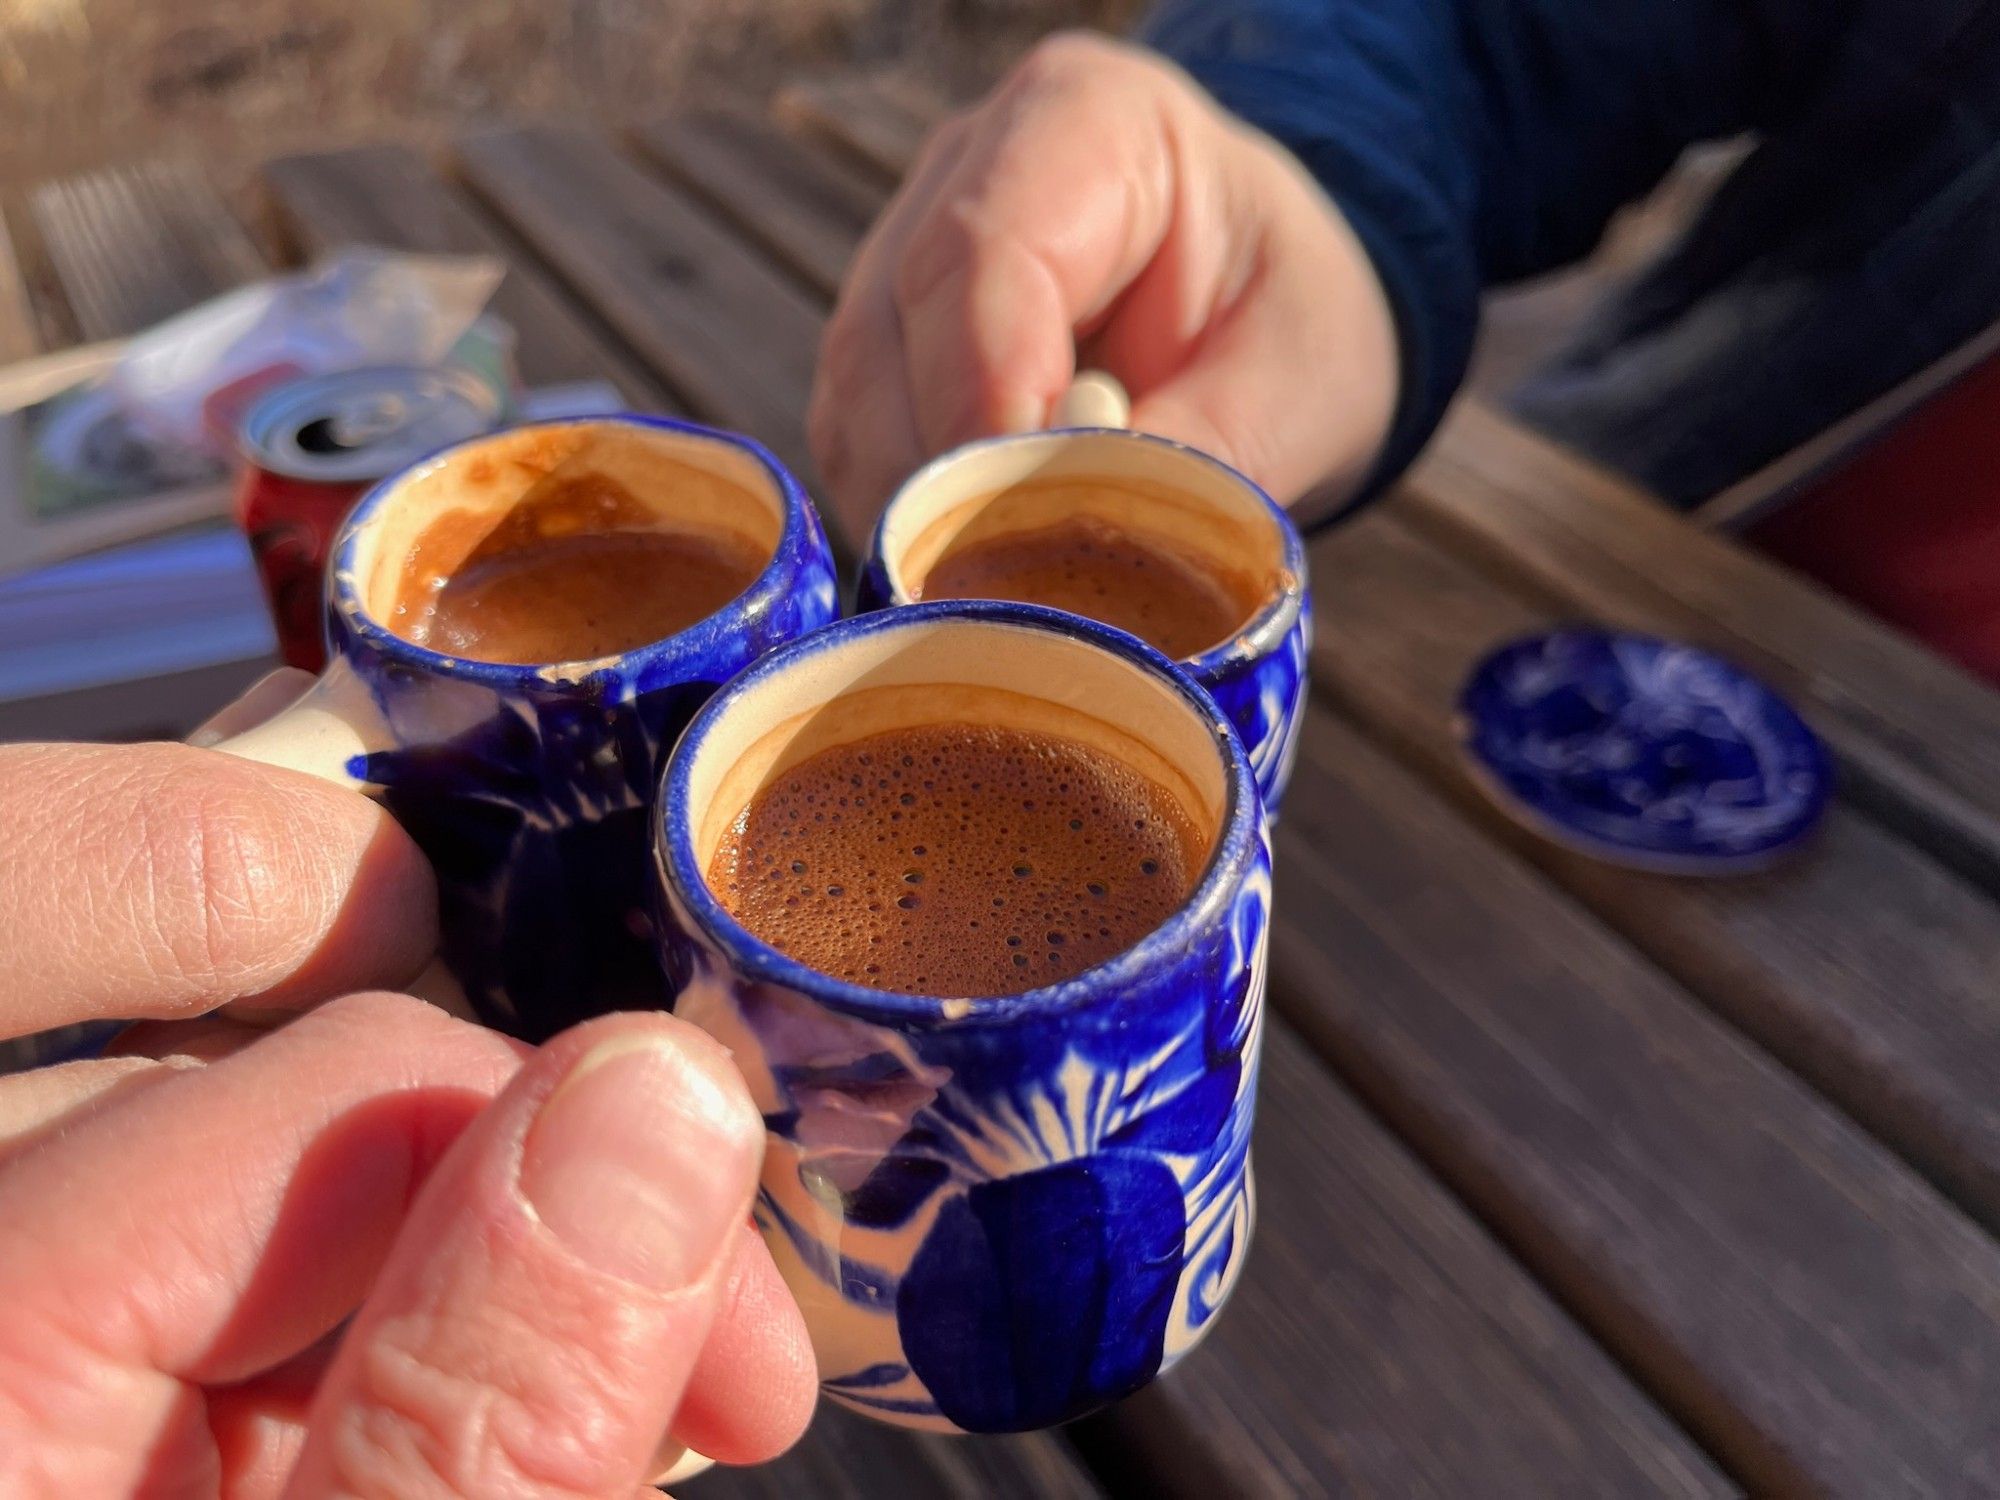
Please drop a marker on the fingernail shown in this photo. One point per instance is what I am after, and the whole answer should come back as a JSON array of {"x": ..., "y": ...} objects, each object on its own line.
[{"x": 642, "y": 1159}]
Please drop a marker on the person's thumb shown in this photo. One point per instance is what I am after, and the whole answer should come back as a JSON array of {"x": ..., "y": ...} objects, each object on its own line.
[
  {"x": 160, "y": 881},
  {"x": 543, "y": 1310}
]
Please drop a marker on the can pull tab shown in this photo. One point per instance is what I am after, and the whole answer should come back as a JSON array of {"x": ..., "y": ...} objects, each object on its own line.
[{"x": 1094, "y": 399}]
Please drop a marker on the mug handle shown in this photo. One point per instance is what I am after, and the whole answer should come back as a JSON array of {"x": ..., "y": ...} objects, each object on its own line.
[
  {"x": 1094, "y": 399},
  {"x": 318, "y": 733}
]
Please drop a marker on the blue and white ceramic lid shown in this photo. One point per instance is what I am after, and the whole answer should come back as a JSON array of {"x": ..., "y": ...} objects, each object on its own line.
[{"x": 1643, "y": 752}]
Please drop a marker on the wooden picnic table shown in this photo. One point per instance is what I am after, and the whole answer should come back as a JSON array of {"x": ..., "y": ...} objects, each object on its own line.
[{"x": 1572, "y": 1181}]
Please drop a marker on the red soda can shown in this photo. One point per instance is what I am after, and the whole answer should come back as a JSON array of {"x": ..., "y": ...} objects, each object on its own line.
[{"x": 312, "y": 447}]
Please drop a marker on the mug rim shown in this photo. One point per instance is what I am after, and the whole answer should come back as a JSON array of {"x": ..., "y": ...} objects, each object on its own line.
[
  {"x": 1256, "y": 638},
  {"x": 1235, "y": 844},
  {"x": 343, "y": 592}
]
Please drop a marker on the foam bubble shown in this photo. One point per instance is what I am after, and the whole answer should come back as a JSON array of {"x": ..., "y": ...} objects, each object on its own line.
[{"x": 1090, "y": 857}]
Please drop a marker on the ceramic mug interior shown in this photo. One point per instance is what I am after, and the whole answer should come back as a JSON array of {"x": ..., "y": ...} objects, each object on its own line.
[
  {"x": 437, "y": 513},
  {"x": 953, "y": 668},
  {"x": 1201, "y": 509}
]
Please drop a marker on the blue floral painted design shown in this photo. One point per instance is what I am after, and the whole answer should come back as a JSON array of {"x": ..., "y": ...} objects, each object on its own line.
[
  {"x": 1643, "y": 751},
  {"x": 999, "y": 1215},
  {"x": 1263, "y": 693},
  {"x": 528, "y": 788}
]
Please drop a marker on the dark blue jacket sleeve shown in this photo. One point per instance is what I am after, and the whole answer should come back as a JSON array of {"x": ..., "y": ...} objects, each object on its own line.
[{"x": 1470, "y": 142}]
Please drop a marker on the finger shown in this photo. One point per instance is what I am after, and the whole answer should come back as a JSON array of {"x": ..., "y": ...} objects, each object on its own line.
[
  {"x": 32, "y": 1102},
  {"x": 260, "y": 701},
  {"x": 860, "y": 421},
  {"x": 161, "y": 881},
  {"x": 1064, "y": 200},
  {"x": 218, "y": 1222},
  {"x": 259, "y": 1425},
  {"x": 543, "y": 1311},
  {"x": 205, "y": 1038},
  {"x": 752, "y": 1392},
  {"x": 860, "y": 425}
]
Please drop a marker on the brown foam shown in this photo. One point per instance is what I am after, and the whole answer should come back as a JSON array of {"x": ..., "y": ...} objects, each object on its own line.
[
  {"x": 578, "y": 569},
  {"x": 957, "y": 860},
  {"x": 1092, "y": 568}
]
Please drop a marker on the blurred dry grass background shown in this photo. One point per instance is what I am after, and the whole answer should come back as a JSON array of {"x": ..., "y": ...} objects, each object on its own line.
[{"x": 89, "y": 82}]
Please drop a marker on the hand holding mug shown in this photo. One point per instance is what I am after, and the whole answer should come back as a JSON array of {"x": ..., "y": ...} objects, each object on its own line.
[
  {"x": 185, "y": 1226},
  {"x": 1098, "y": 200}
]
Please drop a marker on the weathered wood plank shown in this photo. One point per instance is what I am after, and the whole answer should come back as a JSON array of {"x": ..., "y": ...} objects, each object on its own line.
[
  {"x": 1865, "y": 966},
  {"x": 133, "y": 245},
  {"x": 1817, "y": 1315},
  {"x": 806, "y": 208},
  {"x": 1382, "y": 1344},
  {"x": 846, "y": 1457},
  {"x": 1920, "y": 739},
  {"x": 730, "y": 334},
  {"x": 388, "y": 195},
  {"x": 874, "y": 126}
]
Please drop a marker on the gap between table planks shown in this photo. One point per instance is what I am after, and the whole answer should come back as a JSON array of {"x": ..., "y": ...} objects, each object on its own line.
[
  {"x": 20, "y": 331},
  {"x": 848, "y": 1457},
  {"x": 798, "y": 204},
  {"x": 1866, "y": 966},
  {"x": 1380, "y": 1343},
  {"x": 1801, "y": 1301},
  {"x": 880, "y": 128}
]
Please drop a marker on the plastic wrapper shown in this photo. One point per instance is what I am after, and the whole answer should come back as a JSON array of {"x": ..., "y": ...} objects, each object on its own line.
[{"x": 186, "y": 382}]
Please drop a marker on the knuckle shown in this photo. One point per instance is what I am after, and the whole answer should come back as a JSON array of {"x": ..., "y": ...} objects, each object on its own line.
[
  {"x": 846, "y": 349},
  {"x": 946, "y": 137},
  {"x": 426, "y": 1421},
  {"x": 946, "y": 244},
  {"x": 1064, "y": 56},
  {"x": 217, "y": 879}
]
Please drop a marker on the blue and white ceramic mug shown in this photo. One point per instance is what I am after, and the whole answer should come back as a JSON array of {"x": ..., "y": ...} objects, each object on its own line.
[
  {"x": 996, "y": 1214},
  {"x": 1198, "y": 505},
  {"x": 528, "y": 786}
]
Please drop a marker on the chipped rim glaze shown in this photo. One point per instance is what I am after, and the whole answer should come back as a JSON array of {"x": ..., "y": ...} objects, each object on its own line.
[{"x": 689, "y": 647}]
